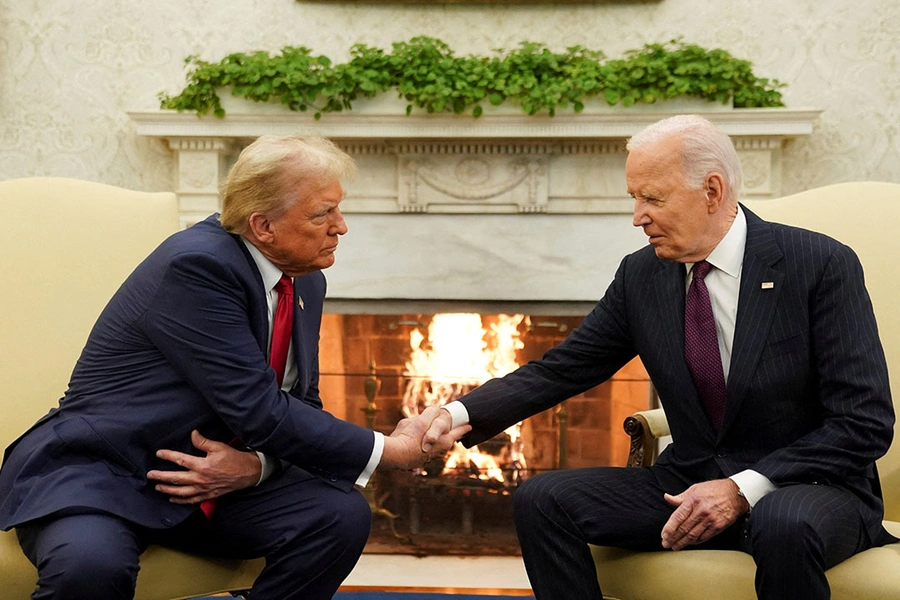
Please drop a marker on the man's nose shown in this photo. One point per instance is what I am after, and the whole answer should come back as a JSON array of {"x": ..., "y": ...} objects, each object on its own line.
[
  {"x": 340, "y": 225},
  {"x": 639, "y": 219}
]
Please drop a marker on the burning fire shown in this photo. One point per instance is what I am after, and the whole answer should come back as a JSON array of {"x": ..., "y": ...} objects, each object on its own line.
[{"x": 458, "y": 356}]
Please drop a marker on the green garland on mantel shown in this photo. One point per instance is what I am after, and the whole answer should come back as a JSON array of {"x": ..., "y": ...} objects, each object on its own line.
[{"x": 426, "y": 72}]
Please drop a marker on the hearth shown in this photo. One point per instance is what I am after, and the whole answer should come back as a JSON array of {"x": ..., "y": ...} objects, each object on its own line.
[{"x": 378, "y": 368}]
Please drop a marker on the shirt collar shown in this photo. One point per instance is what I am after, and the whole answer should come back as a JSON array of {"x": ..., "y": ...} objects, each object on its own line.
[
  {"x": 267, "y": 270},
  {"x": 728, "y": 255}
]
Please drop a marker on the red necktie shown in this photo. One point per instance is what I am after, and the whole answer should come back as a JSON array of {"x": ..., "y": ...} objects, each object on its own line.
[
  {"x": 701, "y": 346},
  {"x": 281, "y": 341},
  {"x": 281, "y": 327}
]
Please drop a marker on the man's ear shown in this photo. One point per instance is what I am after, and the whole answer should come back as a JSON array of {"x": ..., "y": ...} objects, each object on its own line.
[
  {"x": 261, "y": 227},
  {"x": 714, "y": 188}
]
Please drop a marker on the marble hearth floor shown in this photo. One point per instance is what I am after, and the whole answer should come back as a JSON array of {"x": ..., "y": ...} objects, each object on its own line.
[
  {"x": 458, "y": 572},
  {"x": 489, "y": 575}
]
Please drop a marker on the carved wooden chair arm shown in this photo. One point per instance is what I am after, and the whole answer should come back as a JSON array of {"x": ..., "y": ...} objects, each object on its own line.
[{"x": 645, "y": 427}]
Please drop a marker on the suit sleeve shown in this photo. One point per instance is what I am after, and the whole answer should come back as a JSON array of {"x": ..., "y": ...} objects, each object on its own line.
[
  {"x": 590, "y": 355},
  {"x": 199, "y": 320}
]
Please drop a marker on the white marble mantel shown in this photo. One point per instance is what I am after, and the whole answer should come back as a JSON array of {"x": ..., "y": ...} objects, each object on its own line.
[{"x": 506, "y": 207}]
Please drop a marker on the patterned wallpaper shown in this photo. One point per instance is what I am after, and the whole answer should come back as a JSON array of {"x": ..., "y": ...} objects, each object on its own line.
[{"x": 70, "y": 69}]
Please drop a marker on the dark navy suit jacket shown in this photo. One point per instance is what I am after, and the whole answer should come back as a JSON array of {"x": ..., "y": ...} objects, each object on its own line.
[
  {"x": 180, "y": 346},
  {"x": 808, "y": 395}
]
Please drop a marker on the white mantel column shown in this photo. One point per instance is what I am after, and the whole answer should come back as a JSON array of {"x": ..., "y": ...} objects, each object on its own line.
[{"x": 202, "y": 164}]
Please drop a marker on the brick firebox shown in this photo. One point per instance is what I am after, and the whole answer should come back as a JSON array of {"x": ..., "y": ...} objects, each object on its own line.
[{"x": 350, "y": 343}]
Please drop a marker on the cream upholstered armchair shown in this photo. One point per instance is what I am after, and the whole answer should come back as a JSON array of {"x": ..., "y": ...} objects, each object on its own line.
[
  {"x": 66, "y": 247},
  {"x": 865, "y": 216}
]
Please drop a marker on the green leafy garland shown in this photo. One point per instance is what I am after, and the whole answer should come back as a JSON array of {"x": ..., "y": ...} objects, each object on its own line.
[{"x": 427, "y": 73}]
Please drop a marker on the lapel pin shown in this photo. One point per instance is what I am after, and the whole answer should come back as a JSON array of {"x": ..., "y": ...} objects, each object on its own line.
[
  {"x": 768, "y": 285},
  {"x": 300, "y": 303}
]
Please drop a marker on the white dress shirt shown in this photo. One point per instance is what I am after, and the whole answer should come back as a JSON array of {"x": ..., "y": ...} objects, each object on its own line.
[
  {"x": 724, "y": 285},
  {"x": 271, "y": 275}
]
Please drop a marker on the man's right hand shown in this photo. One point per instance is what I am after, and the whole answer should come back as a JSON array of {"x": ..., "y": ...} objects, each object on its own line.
[
  {"x": 407, "y": 447},
  {"x": 440, "y": 426}
]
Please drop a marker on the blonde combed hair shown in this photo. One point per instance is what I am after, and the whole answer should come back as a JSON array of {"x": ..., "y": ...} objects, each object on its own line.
[{"x": 275, "y": 172}]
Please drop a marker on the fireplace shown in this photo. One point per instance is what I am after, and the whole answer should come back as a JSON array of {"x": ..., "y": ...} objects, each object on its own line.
[
  {"x": 374, "y": 365},
  {"x": 502, "y": 215}
]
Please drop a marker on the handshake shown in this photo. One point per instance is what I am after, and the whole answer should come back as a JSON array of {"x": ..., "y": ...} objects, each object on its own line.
[{"x": 416, "y": 440}]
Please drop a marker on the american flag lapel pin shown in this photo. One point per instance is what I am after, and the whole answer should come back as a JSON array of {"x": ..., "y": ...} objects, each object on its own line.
[{"x": 768, "y": 285}]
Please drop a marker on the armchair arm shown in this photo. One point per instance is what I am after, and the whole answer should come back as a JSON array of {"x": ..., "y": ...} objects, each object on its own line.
[{"x": 645, "y": 427}]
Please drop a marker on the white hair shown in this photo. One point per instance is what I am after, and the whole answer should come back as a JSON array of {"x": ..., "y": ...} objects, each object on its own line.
[{"x": 705, "y": 150}]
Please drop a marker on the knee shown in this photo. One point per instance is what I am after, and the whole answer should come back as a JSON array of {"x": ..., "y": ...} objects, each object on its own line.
[
  {"x": 355, "y": 520},
  {"x": 347, "y": 519},
  {"x": 773, "y": 527},
  {"x": 536, "y": 495},
  {"x": 74, "y": 573}
]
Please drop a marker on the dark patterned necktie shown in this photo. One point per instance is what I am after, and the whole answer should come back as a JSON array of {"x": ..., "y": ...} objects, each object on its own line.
[{"x": 701, "y": 346}]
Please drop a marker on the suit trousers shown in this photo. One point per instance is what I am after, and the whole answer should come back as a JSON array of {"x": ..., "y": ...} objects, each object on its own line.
[
  {"x": 794, "y": 533},
  {"x": 311, "y": 534}
]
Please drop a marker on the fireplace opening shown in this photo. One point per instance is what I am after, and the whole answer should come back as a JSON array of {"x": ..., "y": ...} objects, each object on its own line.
[{"x": 376, "y": 368}]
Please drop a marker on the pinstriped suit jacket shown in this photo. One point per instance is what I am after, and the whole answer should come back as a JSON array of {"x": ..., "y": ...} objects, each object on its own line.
[{"x": 808, "y": 394}]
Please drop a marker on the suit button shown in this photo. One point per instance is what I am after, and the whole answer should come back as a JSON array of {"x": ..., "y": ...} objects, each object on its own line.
[
  {"x": 167, "y": 522},
  {"x": 721, "y": 454}
]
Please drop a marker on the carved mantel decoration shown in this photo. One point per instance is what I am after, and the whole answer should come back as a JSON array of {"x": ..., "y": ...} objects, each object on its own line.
[{"x": 499, "y": 163}]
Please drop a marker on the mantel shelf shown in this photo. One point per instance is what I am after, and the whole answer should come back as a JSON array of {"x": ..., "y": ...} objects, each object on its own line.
[
  {"x": 502, "y": 162},
  {"x": 614, "y": 123}
]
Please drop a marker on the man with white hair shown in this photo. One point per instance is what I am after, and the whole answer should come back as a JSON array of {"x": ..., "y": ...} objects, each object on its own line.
[{"x": 762, "y": 343}]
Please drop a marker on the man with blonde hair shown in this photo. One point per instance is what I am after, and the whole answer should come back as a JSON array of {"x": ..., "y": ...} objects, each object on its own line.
[
  {"x": 207, "y": 357},
  {"x": 761, "y": 341}
]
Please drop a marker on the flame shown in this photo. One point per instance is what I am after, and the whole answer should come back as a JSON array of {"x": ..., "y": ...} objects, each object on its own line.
[
  {"x": 459, "y": 355},
  {"x": 462, "y": 458}
]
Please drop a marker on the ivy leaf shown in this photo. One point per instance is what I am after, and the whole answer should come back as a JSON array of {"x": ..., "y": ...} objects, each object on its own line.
[
  {"x": 612, "y": 96},
  {"x": 426, "y": 72}
]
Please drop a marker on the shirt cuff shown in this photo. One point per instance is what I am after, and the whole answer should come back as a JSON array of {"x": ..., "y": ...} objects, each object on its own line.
[
  {"x": 458, "y": 413},
  {"x": 268, "y": 467},
  {"x": 374, "y": 459},
  {"x": 753, "y": 485}
]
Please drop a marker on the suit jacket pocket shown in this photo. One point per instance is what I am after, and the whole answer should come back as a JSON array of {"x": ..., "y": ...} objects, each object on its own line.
[
  {"x": 790, "y": 345},
  {"x": 80, "y": 438}
]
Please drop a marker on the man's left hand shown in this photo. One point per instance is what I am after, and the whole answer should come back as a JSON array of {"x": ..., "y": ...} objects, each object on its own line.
[
  {"x": 704, "y": 510},
  {"x": 224, "y": 469}
]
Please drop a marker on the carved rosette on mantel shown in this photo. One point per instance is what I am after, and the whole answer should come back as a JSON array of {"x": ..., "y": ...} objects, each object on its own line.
[{"x": 502, "y": 162}]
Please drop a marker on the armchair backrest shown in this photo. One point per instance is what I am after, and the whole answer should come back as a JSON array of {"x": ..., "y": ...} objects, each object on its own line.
[
  {"x": 66, "y": 247},
  {"x": 866, "y": 217}
]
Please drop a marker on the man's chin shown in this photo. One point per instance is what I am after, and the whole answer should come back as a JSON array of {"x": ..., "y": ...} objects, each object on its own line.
[
  {"x": 660, "y": 251},
  {"x": 325, "y": 262}
]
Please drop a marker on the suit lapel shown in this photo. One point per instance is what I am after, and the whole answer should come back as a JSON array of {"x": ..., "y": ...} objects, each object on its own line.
[
  {"x": 259, "y": 317},
  {"x": 761, "y": 284},
  {"x": 297, "y": 327},
  {"x": 670, "y": 285}
]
